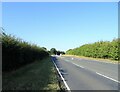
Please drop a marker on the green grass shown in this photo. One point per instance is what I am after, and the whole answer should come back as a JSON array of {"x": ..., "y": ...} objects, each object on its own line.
[{"x": 40, "y": 75}]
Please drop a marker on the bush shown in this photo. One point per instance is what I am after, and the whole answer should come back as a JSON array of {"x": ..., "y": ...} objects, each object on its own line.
[
  {"x": 16, "y": 53},
  {"x": 101, "y": 49}
]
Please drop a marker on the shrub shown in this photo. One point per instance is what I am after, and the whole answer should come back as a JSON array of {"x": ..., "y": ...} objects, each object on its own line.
[
  {"x": 16, "y": 53},
  {"x": 101, "y": 49}
]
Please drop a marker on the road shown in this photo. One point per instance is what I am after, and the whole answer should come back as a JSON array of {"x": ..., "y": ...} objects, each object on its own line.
[{"x": 83, "y": 74}]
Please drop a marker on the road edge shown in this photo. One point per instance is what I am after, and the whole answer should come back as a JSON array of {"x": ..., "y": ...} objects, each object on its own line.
[{"x": 68, "y": 89}]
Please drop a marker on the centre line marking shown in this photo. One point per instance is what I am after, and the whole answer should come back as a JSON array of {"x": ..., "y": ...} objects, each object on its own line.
[
  {"x": 78, "y": 65},
  {"x": 107, "y": 77},
  {"x": 97, "y": 73}
]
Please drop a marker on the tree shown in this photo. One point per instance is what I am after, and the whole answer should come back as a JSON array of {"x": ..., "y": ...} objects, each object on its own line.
[
  {"x": 62, "y": 52},
  {"x": 44, "y": 48},
  {"x": 53, "y": 51},
  {"x": 100, "y": 49},
  {"x": 58, "y": 52}
]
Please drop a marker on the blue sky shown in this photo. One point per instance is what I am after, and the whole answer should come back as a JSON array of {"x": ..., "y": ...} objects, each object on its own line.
[{"x": 61, "y": 25}]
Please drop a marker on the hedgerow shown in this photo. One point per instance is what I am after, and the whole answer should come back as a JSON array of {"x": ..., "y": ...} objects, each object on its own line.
[
  {"x": 101, "y": 49},
  {"x": 17, "y": 53}
]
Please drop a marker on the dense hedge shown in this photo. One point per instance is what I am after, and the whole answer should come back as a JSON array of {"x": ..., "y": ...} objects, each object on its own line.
[
  {"x": 16, "y": 53},
  {"x": 101, "y": 49}
]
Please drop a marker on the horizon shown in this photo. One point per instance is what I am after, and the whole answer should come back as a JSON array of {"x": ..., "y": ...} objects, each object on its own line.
[{"x": 71, "y": 20}]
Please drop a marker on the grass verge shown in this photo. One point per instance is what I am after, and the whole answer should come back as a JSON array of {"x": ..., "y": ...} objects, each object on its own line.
[
  {"x": 97, "y": 59},
  {"x": 40, "y": 75}
]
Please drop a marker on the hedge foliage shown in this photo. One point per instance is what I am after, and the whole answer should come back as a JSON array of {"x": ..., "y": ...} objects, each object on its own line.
[
  {"x": 101, "y": 49},
  {"x": 16, "y": 53}
]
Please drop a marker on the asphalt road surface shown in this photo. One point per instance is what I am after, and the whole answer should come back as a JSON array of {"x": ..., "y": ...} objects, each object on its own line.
[{"x": 83, "y": 74}]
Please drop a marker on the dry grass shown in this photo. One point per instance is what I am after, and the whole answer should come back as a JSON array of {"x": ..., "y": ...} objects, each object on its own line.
[
  {"x": 39, "y": 75},
  {"x": 97, "y": 59}
]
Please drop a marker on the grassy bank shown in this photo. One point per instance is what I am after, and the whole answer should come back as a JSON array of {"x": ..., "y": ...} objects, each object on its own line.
[
  {"x": 96, "y": 59},
  {"x": 39, "y": 75}
]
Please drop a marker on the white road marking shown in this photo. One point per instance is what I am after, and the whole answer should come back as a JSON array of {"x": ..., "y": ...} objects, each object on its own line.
[
  {"x": 62, "y": 77},
  {"x": 95, "y": 72},
  {"x": 99, "y": 74},
  {"x": 74, "y": 63},
  {"x": 78, "y": 65},
  {"x": 107, "y": 77}
]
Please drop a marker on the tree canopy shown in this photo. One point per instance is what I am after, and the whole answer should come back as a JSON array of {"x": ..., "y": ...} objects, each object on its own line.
[
  {"x": 53, "y": 51},
  {"x": 101, "y": 49}
]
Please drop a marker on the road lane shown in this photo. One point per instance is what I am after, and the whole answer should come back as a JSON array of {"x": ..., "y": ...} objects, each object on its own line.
[
  {"x": 108, "y": 69},
  {"x": 81, "y": 78}
]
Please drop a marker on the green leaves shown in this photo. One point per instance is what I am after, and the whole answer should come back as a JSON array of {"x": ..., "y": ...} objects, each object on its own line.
[
  {"x": 16, "y": 52},
  {"x": 101, "y": 49},
  {"x": 53, "y": 51}
]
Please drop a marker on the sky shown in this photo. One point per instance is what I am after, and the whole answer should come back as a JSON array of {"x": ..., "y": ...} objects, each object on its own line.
[{"x": 61, "y": 25}]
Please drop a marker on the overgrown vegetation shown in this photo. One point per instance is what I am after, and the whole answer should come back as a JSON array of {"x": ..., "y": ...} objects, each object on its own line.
[
  {"x": 16, "y": 52},
  {"x": 53, "y": 51},
  {"x": 101, "y": 49},
  {"x": 37, "y": 76}
]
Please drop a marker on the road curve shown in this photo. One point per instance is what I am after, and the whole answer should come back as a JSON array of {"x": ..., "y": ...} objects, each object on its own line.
[{"x": 82, "y": 74}]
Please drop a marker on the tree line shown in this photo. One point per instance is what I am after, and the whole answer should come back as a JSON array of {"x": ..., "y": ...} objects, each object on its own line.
[
  {"x": 100, "y": 49},
  {"x": 53, "y": 51},
  {"x": 17, "y": 53}
]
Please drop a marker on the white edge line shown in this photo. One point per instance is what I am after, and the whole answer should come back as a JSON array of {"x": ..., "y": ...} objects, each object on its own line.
[
  {"x": 107, "y": 77},
  {"x": 61, "y": 76}
]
